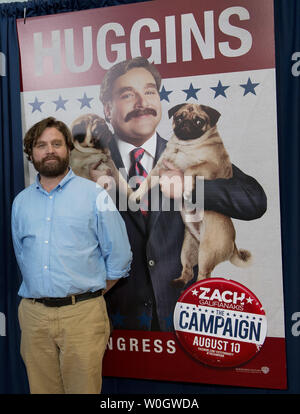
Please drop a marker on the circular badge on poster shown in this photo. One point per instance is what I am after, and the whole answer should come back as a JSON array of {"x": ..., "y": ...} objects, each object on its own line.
[{"x": 220, "y": 322}]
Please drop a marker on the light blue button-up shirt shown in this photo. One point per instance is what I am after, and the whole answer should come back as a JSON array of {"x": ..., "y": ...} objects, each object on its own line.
[{"x": 68, "y": 241}]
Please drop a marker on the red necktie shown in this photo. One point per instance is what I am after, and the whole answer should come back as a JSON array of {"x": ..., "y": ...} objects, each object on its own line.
[{"x": 138, "y": 171}]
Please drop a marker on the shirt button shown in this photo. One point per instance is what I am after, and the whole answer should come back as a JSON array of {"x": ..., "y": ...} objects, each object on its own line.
[
  {"x": 50, "y": 197},
  {"x": 46, "y": 241},
  {"x": 48, "y": 218},
  {"x": 148, "y": 303},
  {"x": 45, "y": 267},
  {"x": 151, "y": 263}
]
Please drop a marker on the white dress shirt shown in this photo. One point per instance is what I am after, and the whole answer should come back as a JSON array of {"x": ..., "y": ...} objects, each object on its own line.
[
  {"x": 63, "y": 251},
  {"x": 148, "y": 158}
]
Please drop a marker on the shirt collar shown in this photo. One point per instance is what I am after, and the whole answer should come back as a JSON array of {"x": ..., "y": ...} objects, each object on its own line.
[
  {"x": 149, "y": 146},
  {"x": 66, "y": 179}
]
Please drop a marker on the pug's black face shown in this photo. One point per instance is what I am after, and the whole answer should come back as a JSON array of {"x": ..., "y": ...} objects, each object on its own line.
[
  {"x": 79, "y": 132},
  {"x": 191, "y": 121},
  {"x": 189, "y": 125},
  {"x": 91, "y": 131},
  {"x": 100, "y": 135}
]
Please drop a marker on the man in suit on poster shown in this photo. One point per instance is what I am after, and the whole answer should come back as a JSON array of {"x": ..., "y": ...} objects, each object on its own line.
[{"x": 146, "y": 300}]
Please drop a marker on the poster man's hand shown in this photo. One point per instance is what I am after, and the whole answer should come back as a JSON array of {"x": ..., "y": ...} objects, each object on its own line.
[
  {"x": 171, "y": 180},
  {"x": 103, "y": 177}
]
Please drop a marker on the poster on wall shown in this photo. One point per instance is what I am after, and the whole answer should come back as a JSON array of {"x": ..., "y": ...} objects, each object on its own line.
[{"x": 210, "y": 105}]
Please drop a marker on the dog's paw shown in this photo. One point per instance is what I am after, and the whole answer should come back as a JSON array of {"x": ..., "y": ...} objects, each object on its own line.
[
  {"x": 203, "y": 276},
  {"x": 107, "y": 182},
  {"x": 187, "y": 196}
]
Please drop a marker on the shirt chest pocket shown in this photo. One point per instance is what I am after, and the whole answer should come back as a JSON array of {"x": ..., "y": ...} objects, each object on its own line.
[{"x": 73, "y": 233}]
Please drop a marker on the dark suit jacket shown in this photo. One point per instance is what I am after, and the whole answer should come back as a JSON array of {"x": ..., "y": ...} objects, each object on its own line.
[{"x": 146, "y": 299}]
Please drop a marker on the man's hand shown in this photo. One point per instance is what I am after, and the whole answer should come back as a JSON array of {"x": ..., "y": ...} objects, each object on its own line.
[
  {"x": 94, "y": 173},
  {"x": 103, "y": 177},
  {"x": 109, "y": 285},
  {"x": 171, "y": 181}
]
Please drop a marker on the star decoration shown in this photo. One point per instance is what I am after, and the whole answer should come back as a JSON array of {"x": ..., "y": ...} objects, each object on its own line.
[
  {"x": 195, "y": 292},
  {"x": 117, "y": 319},
  {"x": 249, "y": 300},
  {"x": 60, "y": 103},
  {"x": 145, "y": 320},
  {"x": 220, "y": 90},
  {"x": 164, "y": 94},
  {"x": 249, "y": 87},
  {"x": 85, "y": 101},
  {"x": 36, "y": 105},
  {"x": 191, "y": 92}
]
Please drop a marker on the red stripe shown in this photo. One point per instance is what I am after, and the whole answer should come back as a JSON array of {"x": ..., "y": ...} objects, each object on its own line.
[
  {"x": 266, "y": 370},
  {"x": 211, "y": 58},
  {"x": 138, "y": 152}
]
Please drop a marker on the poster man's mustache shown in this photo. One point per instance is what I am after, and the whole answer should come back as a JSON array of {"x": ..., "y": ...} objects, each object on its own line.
[{"x": 139, "y": 112}]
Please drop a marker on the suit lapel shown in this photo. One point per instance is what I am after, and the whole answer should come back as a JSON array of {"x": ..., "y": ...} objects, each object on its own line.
[
  {"x": 153, "y": 216},
  {"x": 116, "y": 156},
  {"x": 160, "y": 147}
]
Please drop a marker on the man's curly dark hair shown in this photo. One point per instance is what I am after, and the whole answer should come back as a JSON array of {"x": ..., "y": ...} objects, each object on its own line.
[{"x": 33, "y": 134}]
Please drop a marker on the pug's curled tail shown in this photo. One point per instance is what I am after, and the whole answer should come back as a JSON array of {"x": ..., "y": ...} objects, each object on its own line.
[{"x": 241, "y": 257}]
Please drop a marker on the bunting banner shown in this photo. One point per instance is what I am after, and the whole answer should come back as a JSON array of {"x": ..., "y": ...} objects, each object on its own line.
[{"x": 229, "y": 328}]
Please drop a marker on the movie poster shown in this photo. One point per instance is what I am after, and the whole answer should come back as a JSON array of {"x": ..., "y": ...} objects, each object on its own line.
[{"x": 227, "y": 328}]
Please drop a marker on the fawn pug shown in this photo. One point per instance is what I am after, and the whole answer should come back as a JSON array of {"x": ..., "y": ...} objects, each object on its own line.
[
  {"x": 196, "y": 148},
  {"x": 91, "y": 137}
]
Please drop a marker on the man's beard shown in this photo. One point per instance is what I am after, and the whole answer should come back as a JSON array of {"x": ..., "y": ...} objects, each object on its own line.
[{"x": 53, "y": 169}]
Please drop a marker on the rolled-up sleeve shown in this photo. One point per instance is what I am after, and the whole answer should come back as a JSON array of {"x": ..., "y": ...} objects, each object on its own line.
[{"x": 113, "y": 238}]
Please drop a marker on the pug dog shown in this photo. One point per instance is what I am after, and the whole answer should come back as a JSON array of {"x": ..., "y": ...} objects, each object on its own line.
[
  {"x": 91, "y": 137},
  {"x": 196, "y": 148}
]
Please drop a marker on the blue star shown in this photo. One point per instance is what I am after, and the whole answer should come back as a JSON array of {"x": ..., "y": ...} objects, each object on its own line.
[
  {"x": 191, "y": 92},
  {"x": 117, "y": 319},
  {"x": 60, "y": 103},
  {"x": 36, "y": 105},
  {"x": 249, "y": 87},
  {"x": 85, "y": 101},
  {"x": 145, "y": 320},
  {"x": 220, "y": 90},
  {"x": 164, "y": 94}
]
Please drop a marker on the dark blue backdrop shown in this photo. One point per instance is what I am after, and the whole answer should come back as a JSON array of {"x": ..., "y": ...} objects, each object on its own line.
[{"x": 287, "y": 36}]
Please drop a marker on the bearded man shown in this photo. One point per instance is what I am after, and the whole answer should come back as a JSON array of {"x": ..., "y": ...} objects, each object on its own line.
[{"x": 70, "y": 248}]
